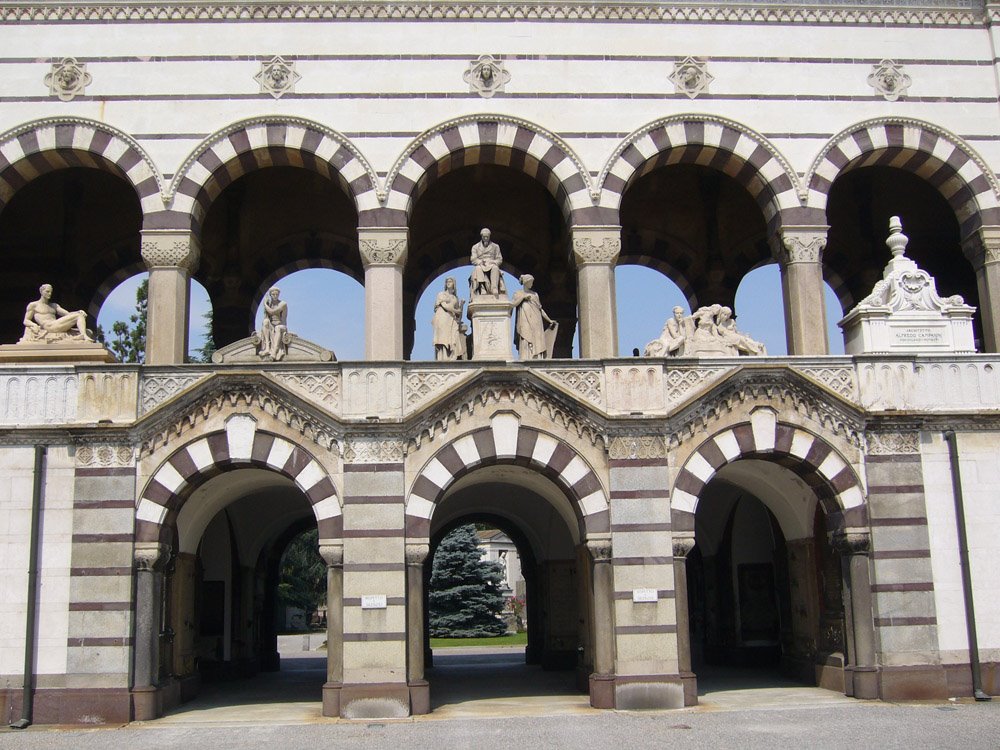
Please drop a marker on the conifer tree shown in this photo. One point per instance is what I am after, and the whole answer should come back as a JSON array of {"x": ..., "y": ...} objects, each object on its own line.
[{"x": 464, "y": 599}]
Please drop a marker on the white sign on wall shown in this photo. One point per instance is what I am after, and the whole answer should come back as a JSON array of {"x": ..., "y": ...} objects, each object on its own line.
[
  {"x": 644, "y": 595},
  {"x": 373, "y": 601}
]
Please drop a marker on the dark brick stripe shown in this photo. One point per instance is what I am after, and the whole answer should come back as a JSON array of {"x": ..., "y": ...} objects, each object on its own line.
[
  {"x": 372, "y": 499},
  {"x": 660, "y": 593},
  {"x": 899, "y": 458},
  {"x": 365, "y": 637},
  {"x": 892, "y": 622},
  {"x": 898, "y": 522},
  {"x": 371, "y": 468},
  {"x": 81, "y": 504},
  {"x": 100, "y": 606},
  {"x": 901, "y": 554},
  {"x": 392, "y": 601},
  {"x": 121, "y": 571},
  {"x": 624, "y": 528},
  {"x": 644, "y": 629},
  {"x": 895, "y": 489},
  {"x": 889, "y": 588},
  {"x": 639, "y": 494},
  {"x": 110, "y": 471},
  {"x": 638, "y": 463},
  {"x": 92, "y": 642},
  {"x": 371, "y": 533},
  {"x": 374, "y": 567},
  {"x": 100, "y": 538},
  {"x": 643, "y": 560}
]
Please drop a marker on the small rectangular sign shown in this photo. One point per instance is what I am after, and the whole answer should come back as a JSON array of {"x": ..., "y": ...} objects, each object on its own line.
[
  {"x": 373, "y": 601},
  {"x": 644, "y": 595}
]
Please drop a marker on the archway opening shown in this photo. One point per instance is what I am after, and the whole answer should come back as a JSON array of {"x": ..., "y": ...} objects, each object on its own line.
[
  {"x": 239, "y": 633},
  {"x": 764, "y": 585},
  {"x": 557, "y": 658}
]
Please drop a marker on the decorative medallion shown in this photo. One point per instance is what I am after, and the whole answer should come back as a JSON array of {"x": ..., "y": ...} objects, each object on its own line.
[
  {"x": 486, "y": 76},
  {"x": 889, "y": 80},
  {"x": 68, "y": 78},
  {"x": 277, "y": 77},
  {"x": 691, "y": 77}
]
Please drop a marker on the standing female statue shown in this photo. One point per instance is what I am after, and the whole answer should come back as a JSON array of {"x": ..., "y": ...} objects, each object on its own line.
[
  {"x": 448, "y": 345},
  {"x": 530, "y": 328}
]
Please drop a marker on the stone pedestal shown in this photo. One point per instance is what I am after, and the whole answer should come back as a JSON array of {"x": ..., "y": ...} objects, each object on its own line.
[
  {"x": 69, "y": 351},
  {"x": 492, "y": 336}
]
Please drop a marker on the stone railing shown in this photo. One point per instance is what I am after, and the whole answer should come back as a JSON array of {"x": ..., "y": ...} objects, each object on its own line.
[{"x": 117, "y": 394}]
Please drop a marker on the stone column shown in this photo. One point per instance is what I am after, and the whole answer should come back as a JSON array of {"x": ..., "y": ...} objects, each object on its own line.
[
  {"x": 420, "y": 694},
  {"x": 861, "y": 674},
  {"x": 983, "y": 251},
  {"x": 682, "y": 548},
  {"x": 602, "y": 681},
  {"x": 799, "y": 250},
  {"x": 171, "y": 257},
  {"x": 333, "y": 554},
  {"x": 383, "y": 253},
  {"x": 149, "y": 560},
  {"x": 595, "y": 251}
]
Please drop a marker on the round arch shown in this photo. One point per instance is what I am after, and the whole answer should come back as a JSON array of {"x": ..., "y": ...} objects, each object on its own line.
[
  {"x": 485, "y": 139},
  {"x": 716, "y": 142},
  {"x": 942, "y": 158},
  {"x": 40, "y": 146},
  {"x": 506, "y": 441},
  {"x": 239, "y": 445},
  {"x": 258, "y": 142}
]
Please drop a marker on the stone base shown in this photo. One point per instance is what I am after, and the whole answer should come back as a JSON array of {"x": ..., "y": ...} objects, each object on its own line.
[
  {"x": 959, "y": 678},
  {"x": 861, "y": 682},
  {"x": 492, "y": 335},
  {"x": 655, "y": 692},
  {"x": 147, "y": 704},
  {"x": 420, "y": 697},
  {"x": 71, "y": 351},
  {"x": 72, "y": 705},
  {"x": 602, "y": 691},
  {"x": 375, "y": 701},
  {"x": 331, "y": 699},
  {"x": 922, "y": 682}
]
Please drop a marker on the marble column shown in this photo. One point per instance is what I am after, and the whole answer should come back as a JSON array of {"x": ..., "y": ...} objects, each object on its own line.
[
  {"x": 682, "y": 548},
  {"x": 602, "y": 681},
  {"x": 861, "y": 674},
  {"x": 799, "y": 250},
  {"x": 420, "y": 696},
  {"x": 171, "y": 257},
  {"x": 333, "y": 554},
  {"x": 383, "y": 253},
  {"x": 983, "y": 251},
  {"x": 595, "y": 251},
  {"x": 150, "y": 558}
]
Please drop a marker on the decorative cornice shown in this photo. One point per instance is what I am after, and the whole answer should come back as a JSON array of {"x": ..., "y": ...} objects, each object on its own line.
[{"x": 859, "y": 13}]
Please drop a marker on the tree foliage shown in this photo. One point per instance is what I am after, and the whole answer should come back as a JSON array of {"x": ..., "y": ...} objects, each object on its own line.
[
  {"x": 303, "y": 573},
  {"x": 207, "y": 349},
  {"x": 464, "y": 600},
  {"x": 128, "y": 341}
]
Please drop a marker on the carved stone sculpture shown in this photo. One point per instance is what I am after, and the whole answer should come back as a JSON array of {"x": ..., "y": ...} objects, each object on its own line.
[
  {"x": 534, "y": 330},
  {"x": 47, "y": 322},
  {"x": 274, "y": 336},
  {"x": 486, "y": 259},
  {"x": 449, "y": 340},
  {"x": 708, "y": 332}
]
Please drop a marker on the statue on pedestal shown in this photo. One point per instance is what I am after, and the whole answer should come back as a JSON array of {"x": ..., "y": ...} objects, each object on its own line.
[
  {"x": 274, "y": 336},
  {"x": 486, "y": 259},
  {"x": 449, "y": 340},
  {"x": 46, "y": 322},
  {"x": 709, "y": 331},
  {"x": 534, "y": 330}
]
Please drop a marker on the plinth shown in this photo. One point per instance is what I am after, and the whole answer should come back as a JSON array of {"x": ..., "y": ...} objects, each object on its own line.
[
  {"x": 62, "y": 352},
  {"x": 492, "y": 337}
]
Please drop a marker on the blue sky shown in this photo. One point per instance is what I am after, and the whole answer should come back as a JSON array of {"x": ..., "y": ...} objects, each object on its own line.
[{"x": 327, "y": 307}]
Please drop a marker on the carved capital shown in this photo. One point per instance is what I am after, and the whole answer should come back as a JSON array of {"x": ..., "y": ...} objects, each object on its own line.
[
  {"x": 851, "y": 541},
  {"x": 380, "y": 247},
  {"x": 416, "y": 554},
  {"x": 600, "y": 550},
  {"x": 332, "y": 553},
  {"x": 983, "y": 247},
  {"x": 150, "y": 556},
  {"x": 801, "y": 246},
  {"x": 683, "y": 545},
  {"x": 597, "y": 245},
  {"x": 170, "y": 249}
]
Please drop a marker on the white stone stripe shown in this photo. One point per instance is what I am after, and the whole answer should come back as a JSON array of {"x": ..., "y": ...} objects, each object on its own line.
[
  {"x": 419, "y": 507},
  {"x": 310, "y": 476},
  {"x": 169, "y": 477},
  {"x": 728, "y": 445},
  {"x": 505, "y": 428},
  {"x": 851, "y": 497},
  {"x": 467, "y": 451},
  {"x": 802, "y": 442},
  {"x": 437, "y": 473},
  {"x": 700, "y": 467},
  {"x": 201, "y": 454},
  {"x": 683, "y": 501},
  {"x": 595, "y": 502},
  {"x": 763, "y": 425},
  {"x": 279, "y": 453},
  {"x": 150, "y": 511},
  {"x": 328, "y": 507},
  {"x": 575, "y": 470},
  {"x": 543, "y": 450},
  {"x": 832, "y": 465}
]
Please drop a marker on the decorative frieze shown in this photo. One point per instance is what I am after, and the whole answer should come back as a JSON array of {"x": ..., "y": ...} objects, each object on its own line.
[
  {"x": 423, "y": 386},
  {"x": 840, "y": 380},
  {"x": 37, "y": 398},
  {"x": 104, "y": 456},
  {"x": 68, "y": 79},
  {"x": 680, "y": 383},
  {"x": 587, "y": 383},
  {"x": 637, "y": 447},
  {"x": 157, "y": 388},
  {"x": 486, "y": 76},
  {"x": 373, "y": 451},
  {"x": 321, "y": 387},
  {"x": 892, "y": 443},
  {"x": 889, "y": 80},
  {"x": 277, "y": 77},
  {"x": 691, "y": 77}
]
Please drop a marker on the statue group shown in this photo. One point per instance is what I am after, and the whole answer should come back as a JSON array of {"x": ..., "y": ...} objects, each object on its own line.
[{"x": 708, "y": 332}]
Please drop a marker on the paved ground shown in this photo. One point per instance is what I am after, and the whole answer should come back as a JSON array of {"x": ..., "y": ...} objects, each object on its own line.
[{"x": 492, "y": 700}]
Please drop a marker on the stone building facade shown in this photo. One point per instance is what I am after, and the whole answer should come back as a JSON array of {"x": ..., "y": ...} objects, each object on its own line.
[{"x": 671, "y": 512}]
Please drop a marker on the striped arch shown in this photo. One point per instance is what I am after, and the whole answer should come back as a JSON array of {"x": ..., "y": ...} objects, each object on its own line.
[
  {"x": 505, "y": 441},
  {"x": 942, "y": 158},
  {"x": 113, "y": 279},
  {"x": 35, "y": 148},
  {"x": 486, "y": 139},
  {"x": 325, "y": 261},
  {"x": 252, "y": 144},
  {"x": 810, "y": 457},
  {"x": 240, "y": 445},
  {"x": 722, "y": 144}
]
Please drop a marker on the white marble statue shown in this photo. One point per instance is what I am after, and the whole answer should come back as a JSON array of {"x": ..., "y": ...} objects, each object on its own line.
[
  {"x": 709, "y": 331},
  {"x": 449, "y": 340},
  {"x": 486, "y": 259},
  {"x": 274, "y": 336},
  {"x": 47, "y": 322},
  {"x": 534, "y": 330}
]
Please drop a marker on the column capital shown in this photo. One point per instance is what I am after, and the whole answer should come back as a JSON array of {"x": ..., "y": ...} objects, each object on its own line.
[
  {"x": 332, "y": 553},
  {"x": 380, "y": 246},
  {"x": 982, "y": 247},
  {"x": 795, "y": 244},
  {"x": 150, "y": 556},
  {"x": 683, "y": 545},
  {"x": 416, "y": 554},
  {"x": 851, "y": 541},
  {"x": 600, "y": 550},
  {"x": 170, "y": 248},
  {"x": 596, "y": 245}
]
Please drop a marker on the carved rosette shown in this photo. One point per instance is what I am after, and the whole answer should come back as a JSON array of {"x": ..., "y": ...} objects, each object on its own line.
[
  {"x": 596, "y": 247},
  {"x": 150, "y": 556},
  {"x": 68, "y": 79},
  {"x": 170, "y": 250},
  {"x": 383, "y": 249},
  {"x": 600, "y": 550}
]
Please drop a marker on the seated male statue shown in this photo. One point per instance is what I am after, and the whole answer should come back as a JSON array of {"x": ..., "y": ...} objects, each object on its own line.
[{"x": 47, "y": 321}]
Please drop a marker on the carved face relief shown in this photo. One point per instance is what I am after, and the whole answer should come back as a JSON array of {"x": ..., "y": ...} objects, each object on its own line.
[
  {"x": 486, "y": 76},
  {"x": 889, "y": 80},
  {"x": 691, "y": 77},
  {"x": 277, "y": 77},
  {"x": 67, "y": 79}
]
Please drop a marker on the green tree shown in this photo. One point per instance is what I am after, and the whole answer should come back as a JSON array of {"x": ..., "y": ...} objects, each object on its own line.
[
  {"x": 129, "y": 338},
  {"x": 207, "y": 349},
  {"x": 464, "y": 599},
  {"x": 303, "y": 573}
]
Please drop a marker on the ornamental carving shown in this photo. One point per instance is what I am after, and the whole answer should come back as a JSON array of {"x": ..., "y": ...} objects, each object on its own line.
[
  {"x": 892, "y": 443},
  {"x": 600, "y": 549},
  {"x": 587, "y": 250},
  {"x": 373, "y": 451},
  {"x": 680, "y": 383},
  {"x": 277, "y": 77},
  {"x": 486, "y": 76},
  {"x": 691, "y": 77},
  {"x": 104, "y": 456},
  {"x": 637, "y": 447},
  {"x": 169, "y": 252},
  {"x": 840, "y": 380},
  {"x": 851, "y": 542},
  {"x": 323, "y": 388},
  {"x": 587, "y": 383},
  {"x": 382, "y": 251},
  {"x": 150, "y": 556},
  {"x": 158, "y": 388},
  {"x": 683, "y": 545},
  {"x": 798, "y": 249},
  {"x": 889, "y": 80},
  {"x": 68, "y": 79},
  {"x": 423, "y": 386}
]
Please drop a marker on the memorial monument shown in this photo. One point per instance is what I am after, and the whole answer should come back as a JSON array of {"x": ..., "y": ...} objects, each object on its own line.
[
  {"x": 489, "y": 307},
  {"x": 709, "y": 331}
]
